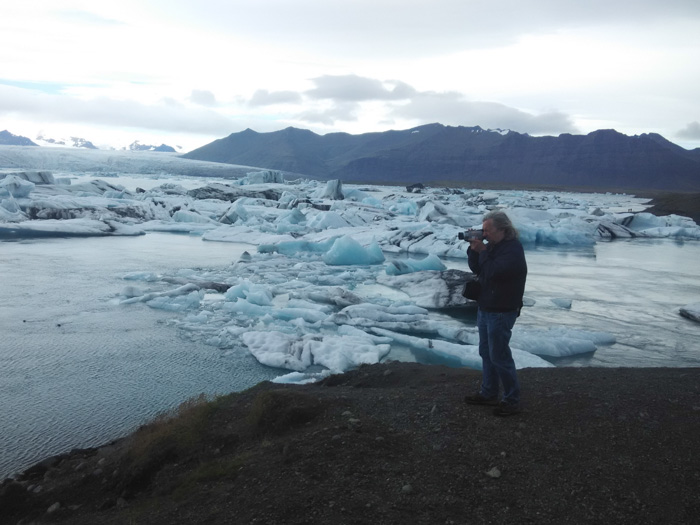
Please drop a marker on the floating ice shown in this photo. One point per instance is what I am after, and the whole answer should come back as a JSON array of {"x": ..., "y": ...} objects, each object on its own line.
[
  {"x": 462, "y": 355},
  {"x": 559, "y": 341},
  {"x": 431, "y": 262},
  {"x": 691, "y": 311},
  {"x": 335, "y": 352},
  {"x": 562, "y": 302},
  {"x": 346, "y": 250}
]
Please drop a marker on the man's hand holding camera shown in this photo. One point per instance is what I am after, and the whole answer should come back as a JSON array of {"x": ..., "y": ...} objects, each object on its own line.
[{"x": 475, "y": 239}]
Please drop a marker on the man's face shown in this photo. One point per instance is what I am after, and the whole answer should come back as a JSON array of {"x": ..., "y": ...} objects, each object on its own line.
[{"x": 491, "y": 233}]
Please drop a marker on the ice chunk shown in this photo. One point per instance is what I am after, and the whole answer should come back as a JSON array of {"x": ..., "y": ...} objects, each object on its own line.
[
  {"x": 278, "y": 349},
  {"x": 691, "y": 311},
  {"x": 347, "y": 251},
  {"x": 464, "y": 355},
  {"x": 334, "y": 190},
  {"x": 560, "y": 341},
  {"x": 336, "y": 353},
  {"x": 16, "y": 186},
  {"x": 326, "y": 220},
  {"x": 400, "y": 267},
  {"x": 562, "y": 302},
  {"x": 431, "y": 289},
  {"x": 264, "y": 177}
]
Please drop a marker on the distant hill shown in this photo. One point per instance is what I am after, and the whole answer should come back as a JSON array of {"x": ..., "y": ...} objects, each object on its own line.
[
  {"x": 435, "y": 153},
  {"x": 137, "y": 146},
  {"x": 9, "y": 139}
]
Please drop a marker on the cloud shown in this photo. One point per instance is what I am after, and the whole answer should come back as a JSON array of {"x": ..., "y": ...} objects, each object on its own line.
[
  {"x": 263, "y": 97},
  {"x": 452, "y": 108},
  {"x": 353, "y": 88},
  {"x": 169, "y": 116},
  {"x": 417, "y": 28},
  {"x": 691, "y": 131},
  {"x": 346, "y": 112},
  {"x": 346, "y": 97},
  {"x": 203, "y": 98}
]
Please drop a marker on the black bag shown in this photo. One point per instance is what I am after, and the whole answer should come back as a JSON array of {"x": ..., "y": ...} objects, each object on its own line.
[{"x": 472, "y": 290}]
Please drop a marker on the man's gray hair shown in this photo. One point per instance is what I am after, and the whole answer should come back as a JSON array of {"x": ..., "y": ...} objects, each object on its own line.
[{"x": 501, "y": 222}]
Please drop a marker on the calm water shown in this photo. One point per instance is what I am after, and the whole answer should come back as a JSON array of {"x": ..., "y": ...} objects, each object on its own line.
[{"x": 77, "y": 370}]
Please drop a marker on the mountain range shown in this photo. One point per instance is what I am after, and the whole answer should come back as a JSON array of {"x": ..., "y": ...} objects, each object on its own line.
[
  {"x": 438, "y": 154},
  {"x": 10, "y": 139}
]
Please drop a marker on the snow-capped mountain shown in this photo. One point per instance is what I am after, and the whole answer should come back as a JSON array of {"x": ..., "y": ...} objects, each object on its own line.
[
  {"x": 137, "y": 146},
  {"x": 71, "y": 142}
]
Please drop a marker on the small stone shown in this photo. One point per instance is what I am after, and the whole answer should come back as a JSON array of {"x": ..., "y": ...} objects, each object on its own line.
[
  {"x": 407, "y": 489},
  {"x": 347, "y": 413},
  {"x": 53, "y": 508},
  {"x": 336, "y": 437},
  {"x": 379, "y": 438},
  {"x": 354, "y": 422},
  {"x": 494, "y": 473},
  {"x": 387, "y": 372}
]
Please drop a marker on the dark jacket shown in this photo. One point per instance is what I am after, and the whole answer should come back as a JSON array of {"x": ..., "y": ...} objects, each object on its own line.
[{"x": 502, "y": 271}]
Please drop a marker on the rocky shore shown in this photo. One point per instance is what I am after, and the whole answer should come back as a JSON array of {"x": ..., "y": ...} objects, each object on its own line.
[
  {"x": 393, "y": 443},
  {"x": 685, "y": 204}
]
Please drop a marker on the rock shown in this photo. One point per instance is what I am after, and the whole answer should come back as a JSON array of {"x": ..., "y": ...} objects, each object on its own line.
[
  {"x": 407, "y": 489},
  {"x": 494, "y": 473},
  {"x": 53, "y": 508}
]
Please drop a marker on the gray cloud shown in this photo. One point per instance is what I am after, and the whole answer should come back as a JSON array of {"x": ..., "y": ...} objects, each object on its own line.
[
  {"x": 263, "y": 97},
  {"x": 171, "y": 117},
  {"x": 345, "y": 112},
  {"x": 355, "y": 89},
  {"x": 691, "y": 131},
  {"x": 453, "y": 109},
  {"x": 203, "y": 98}
]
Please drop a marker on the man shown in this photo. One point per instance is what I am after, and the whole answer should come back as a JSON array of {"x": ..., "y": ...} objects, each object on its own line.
[{"x": 502, "y": 270}]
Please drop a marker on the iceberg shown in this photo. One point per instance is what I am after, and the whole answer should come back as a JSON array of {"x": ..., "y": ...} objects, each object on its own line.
[{"x": 691, "y": 311}]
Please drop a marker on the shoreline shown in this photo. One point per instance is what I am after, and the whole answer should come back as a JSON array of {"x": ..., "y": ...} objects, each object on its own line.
[{"x": 591, "y": 443}]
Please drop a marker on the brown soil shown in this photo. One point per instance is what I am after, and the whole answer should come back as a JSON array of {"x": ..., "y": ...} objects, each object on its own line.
[{"x": 394, "y": 443}]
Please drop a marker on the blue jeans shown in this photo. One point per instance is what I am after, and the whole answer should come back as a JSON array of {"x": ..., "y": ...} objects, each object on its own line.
[{"x": 497, "y": 360}]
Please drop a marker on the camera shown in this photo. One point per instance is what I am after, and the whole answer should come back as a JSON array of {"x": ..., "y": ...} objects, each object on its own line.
[{"x": 471, "y": 235}]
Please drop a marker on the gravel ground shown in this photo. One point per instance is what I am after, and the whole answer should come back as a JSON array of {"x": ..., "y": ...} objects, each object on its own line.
[{"x": 394, "y": 443}]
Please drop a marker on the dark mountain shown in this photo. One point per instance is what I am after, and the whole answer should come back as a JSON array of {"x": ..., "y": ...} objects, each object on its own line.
[
  {"x": 434, "y": 153},
  {"x": 8, "y": 139}
]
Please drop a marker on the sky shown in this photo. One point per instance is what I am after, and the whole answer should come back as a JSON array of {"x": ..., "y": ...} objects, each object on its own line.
[{"x": 185, "y": 73}]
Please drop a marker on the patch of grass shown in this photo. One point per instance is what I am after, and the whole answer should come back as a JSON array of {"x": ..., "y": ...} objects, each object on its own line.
[
  {"x": 276, "y": 411},
  {"x": 209, "y": 471},
  {"x": 172, "y": 435},
  {"x": 179, "y": 430}
]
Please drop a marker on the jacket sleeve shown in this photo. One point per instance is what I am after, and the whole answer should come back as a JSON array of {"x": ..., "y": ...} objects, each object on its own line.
[{"x": 473, "y": 260}]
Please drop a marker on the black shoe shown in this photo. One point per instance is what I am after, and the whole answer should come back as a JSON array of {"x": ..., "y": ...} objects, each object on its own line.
[
  {"x": 478, "y": 399},
  {"x": 506, "y": 409}
]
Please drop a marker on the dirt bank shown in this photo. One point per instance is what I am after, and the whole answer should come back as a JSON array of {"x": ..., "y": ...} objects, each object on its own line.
[{"x": 394, "y": 443}]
